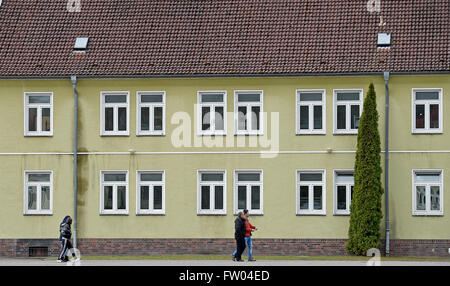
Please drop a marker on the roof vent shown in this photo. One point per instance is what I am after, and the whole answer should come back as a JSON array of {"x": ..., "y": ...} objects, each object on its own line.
[
  {"x": 80, "y": 44},
  {"x": 384, "y": 40}
]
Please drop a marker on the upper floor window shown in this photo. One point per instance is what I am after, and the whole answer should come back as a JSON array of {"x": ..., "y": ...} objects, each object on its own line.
[
  {"x": 114, "y": 113},
  {"x": 248, "y": 191},
  {"x": 150, "y": 112},
  {"x": 211, "y": 192},
  {"x": 212, "y": 110},
  {"x": 38, "y": 114},
  {"x": 428, "y": 192},
  {"x": 311, "y": 192},
  {"x": 427, "y": 111},
  {"x": 248, "y": 112},
  {"x": 347, "y": 110},
  {"x": 38, "y": 196},
  {"x": 114, "y": 192},
  {"x": 150, "y": 192},
  {"x": 310, "y": 111},
  {"x": 344, "y": 182}
]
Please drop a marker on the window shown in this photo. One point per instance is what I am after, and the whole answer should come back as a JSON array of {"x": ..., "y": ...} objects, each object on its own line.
[
  {"x": 150, "y": 193},
  {"x": 248, "y": 191},
  {"x": 427, "y": 111},
  {"x": 114, "y": 192},
  {"x": 347, "y": 110},
  {"x": 310, "y": 111},
  {"x": 38, "y": 192},
  {"x": 211, "y": 114},
  {"x": 343, "y": 191},
  {"x": 248, "y": 110},
  {"x": 211, "y": 192},
  {"x": 38, "y": 114},
  {"x": 428, "y": 192},
  {"x": 311, "y": 192},
  {"x": 114, "y": 113},
  {"x": 151, "y": 112}
]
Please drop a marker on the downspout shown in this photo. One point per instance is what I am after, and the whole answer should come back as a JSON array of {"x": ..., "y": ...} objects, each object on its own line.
[
  {"x": 75, "y": 161},
  {"x": 386, "y": 162}
]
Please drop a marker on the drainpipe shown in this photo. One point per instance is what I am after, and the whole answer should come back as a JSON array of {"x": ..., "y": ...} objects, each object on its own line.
[
  {"x": 386, "y": 162},
  {"x": 75, "y": 161}
]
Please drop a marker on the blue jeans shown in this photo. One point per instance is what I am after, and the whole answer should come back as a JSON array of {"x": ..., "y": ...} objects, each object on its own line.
[{"x": 248, "y": 242}]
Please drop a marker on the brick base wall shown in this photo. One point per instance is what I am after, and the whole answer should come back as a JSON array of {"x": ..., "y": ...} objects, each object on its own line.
[{"x": 223, "y": 246}]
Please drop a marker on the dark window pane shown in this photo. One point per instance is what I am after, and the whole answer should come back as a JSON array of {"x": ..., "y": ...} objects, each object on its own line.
[
  {"x": 420, "y": 116},
  {"x": 145, "y": 118},
  {"x": 157, "y": 197},
  {"x": 248, "y": 177},
  {"x": 116, "y": 98},
  {"x": 310, "y": 96},
  {"x": 434, "y": 116},
  {"x": 121, "y": 197},
  {"x": 122, "y": 119},
  {"x": 212, "y": 177},
  {"x": 435, "y": 198},
  {"x": 304, "y": 117},
  {"x": 218, "y": 198},
  {"x": 256, "y": 197},
  {"x": 45, "y": 119},
  {"x": 205, "y": 198},
  {"x": 32, "y": 119},
  {"x": 317, "y": 197},
  {"x": 38, "y": 177},
  {"x": 255, "y": 117},
  {"x": 304, "y": 198},
  {"x": 351, "y": 193},
  {"x": 144, "y": 197},
  {"x": 108, "y": 197},
  {"x": 219, "y": 121},
  {"x": 424, "y": 95},
  {"x": 317, "y": 117},
  {"x": 348, "y": 96},
  {"x": 32, "y": 197},
  {"x": 45, "y": 197},
  {"x": 354, "y": 116},
  {"x": 242, "y": 197},
  {"x": 341, "y": 115},
  {"x": 158, "y": 118},
  {"x": 206, "y": 118},
  {"x": 114, "y": 177},
  {"x": 242, "y": 118},
  {"x": 420, "y": 198},
  {"x": 213, "y": 97},
  {"x": 151, "y": 98},
  {"x": 109, "y": 118},
  {"x": 341, "y": 198},
  {"x": 151, "y": 177},
  {"x": 39, "y": 99},
  {"x": 248, "y": 97},
  {"x": 311, "y": 177}
]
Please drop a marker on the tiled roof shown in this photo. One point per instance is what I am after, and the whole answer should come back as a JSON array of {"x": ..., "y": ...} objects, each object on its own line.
[{"x": 221, "y": 37}]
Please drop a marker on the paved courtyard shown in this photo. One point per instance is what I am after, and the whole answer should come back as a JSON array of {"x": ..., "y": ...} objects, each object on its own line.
[{"x": 150, "y": 262}]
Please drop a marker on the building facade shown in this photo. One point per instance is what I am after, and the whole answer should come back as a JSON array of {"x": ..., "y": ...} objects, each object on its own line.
[{"x": 166, "y": 159}]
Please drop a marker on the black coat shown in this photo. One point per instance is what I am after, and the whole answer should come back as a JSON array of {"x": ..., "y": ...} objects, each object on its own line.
[
  {"x": 239, "y": 228},
  {"x": 65, "y": 230}
]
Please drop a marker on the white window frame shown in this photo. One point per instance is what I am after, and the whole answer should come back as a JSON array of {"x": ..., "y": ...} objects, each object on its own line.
[
  {"x": 428, "y": 211},
  {"x": 212, "y": 185},
  {"x": 248, "y": 105},
  {"x": 348, "y": 105},
  {"x": 248, "y": 184},
  {"x": 151, "y": 106},
  {"x": 151, "y": 184},
  {"x": 310, "y": 104},
  {"x": 311, "y": 184},
  {"x": 26, "y": 184},
  {"x": 212, "y": 106},
  {"x": 39, "y": 107},
  {"x": 426, "y": 102},
  {"x": 114, "y": 210},
  {"x": 103, "y": 105},
  {"x": 348, "y": 191}
]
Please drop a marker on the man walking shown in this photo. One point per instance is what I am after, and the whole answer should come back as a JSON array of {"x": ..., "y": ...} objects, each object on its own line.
[
  {"x": 66, "y": 234},
  {"x": 239, "y": 235}
]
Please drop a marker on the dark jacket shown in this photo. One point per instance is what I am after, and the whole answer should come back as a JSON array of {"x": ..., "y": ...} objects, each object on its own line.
[
  {"x": 61, "y": 224},
  {"x": 239, "y": 227},
  {"x": 65, "y": 230}
]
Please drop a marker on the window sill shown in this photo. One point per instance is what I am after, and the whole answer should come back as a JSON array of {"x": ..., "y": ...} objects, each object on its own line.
[
  {"x": 441, "y": 214},
  {"x": 38, "y": 214},
  {"x": 114, "y": 214},
  {"x": 310, "y": 214},
  {"x": 118, "y": 135},
  {"x": 341, "y": 214},
  {"x": 345, "y": 132},
  {"x": 150, "y": 214},
  {"x": 427, "y": 132},
  {"x": 150, "y": 134},
  {"x": 211, "y": 214},
  {"x": 38, "y": 135},
  {"x": 310, "y": 133}
]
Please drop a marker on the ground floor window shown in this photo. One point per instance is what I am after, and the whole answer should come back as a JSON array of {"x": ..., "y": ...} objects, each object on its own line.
[
  {"x": 248, "y": 191},
  {"x": 344, "y": 182},
  {"x": 114, "y": 192},
  {"x": 211, "y": 192},
  {"x": 311, "y": 192},
  {"x": 150, "y": 192},
  {"x": 427, "y": 192},
  {"x": 38, "y": 192}
]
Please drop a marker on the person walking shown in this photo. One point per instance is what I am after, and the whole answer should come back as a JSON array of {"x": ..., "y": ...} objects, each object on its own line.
[
  {"x": 66, "y": 234},
  {"x": 66, "y": 258},
  {"x": 248, "y": 235},
  {"x": 239, "y": 236}
]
